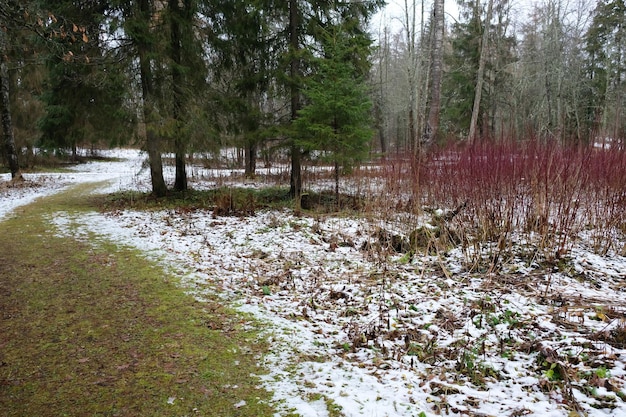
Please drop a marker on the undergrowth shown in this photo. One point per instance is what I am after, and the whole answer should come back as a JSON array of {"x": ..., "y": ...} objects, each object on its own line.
[
  {"x": 227, "y": 201},
  {"x": 544, "y": 196}
]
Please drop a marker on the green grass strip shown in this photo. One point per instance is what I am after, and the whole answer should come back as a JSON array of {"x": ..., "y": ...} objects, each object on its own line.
[{"x": 94, "y": 329}]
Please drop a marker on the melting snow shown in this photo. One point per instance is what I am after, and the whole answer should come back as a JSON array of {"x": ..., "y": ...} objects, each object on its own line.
[{"x": 369, "y": 333}]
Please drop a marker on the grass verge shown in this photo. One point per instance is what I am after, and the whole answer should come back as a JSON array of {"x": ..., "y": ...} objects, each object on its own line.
[{"x": 97, "y": 330}]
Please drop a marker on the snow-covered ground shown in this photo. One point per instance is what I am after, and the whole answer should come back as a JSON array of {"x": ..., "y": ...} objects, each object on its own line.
[{"x": 359, "y": 331}]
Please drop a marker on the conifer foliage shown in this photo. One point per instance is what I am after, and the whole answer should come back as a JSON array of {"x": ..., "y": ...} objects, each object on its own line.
[
  {"x": 187, "y": 76},
  {"x": 336, "y": 117}
]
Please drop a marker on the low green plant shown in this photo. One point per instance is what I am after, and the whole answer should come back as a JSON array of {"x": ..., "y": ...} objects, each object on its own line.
[
  {"x": 553, "y": 373},
  {"x": 602, "y": 372},
  {"x": 406, "y": 258}
]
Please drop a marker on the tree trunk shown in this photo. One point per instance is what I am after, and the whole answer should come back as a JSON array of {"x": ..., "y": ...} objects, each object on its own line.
[
  {"x": 412, "y": 71},
  {"x": 176, "y": 16},
  {"x": 153, "y": 146},
  {"x": 548, "y": 86},
  {"x": 295, "y": 183},
  {"x": 432, "y": 124},
  {"x": 250, "y": 159},
  {"x": 337, "y": 184},
  {"x": 180, "y": 182},
  {"x": 423, "y": 63},
  {"x": 380, "y": 109},
  {"x": 5, "y": 105},
  {"x": 481, "y": 74}
]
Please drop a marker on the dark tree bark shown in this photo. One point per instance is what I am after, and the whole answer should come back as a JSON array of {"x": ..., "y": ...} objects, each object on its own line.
[
  {"x": 153, "y": 146},
  {"x": 250, "y": 159},
  {"x": 295, "y": 183},
  {"x": 176, "y": 17},
  {"x": 5, "y": 106}
]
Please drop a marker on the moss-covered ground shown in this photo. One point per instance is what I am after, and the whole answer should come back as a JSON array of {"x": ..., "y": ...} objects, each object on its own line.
[{"x": 90, "y": 328}]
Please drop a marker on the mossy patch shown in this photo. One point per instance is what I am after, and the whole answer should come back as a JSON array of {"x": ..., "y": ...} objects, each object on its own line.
[{"x": 97, "y": 330}]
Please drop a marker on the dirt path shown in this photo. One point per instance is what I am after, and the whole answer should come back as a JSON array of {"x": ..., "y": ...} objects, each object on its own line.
[{"x": 93, "y": 329}]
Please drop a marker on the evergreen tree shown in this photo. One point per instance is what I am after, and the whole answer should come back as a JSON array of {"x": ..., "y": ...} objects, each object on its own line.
[
  {"x": 336, "y": 118},
  {"x": 13, "y": 16},
  {"x": 27, "y": 108},
  {"x": 85, "y": 97},
  {"x": 146, "y": 41},
  {"x": 181, "y": 48},
  {"x": 463, "y": 62},
  {"x": 606, "y": 50},
  {"x": 246, "y": 65},
  {"x": 188, "y": 75},
  {"x": 305, "y": 25},
  {"x": 262, "y": 55},
  {"x": 5, "y": 107}
]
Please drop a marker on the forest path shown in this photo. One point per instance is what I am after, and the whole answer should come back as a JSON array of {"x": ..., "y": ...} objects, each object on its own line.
[{"x": 91, "y": 328}]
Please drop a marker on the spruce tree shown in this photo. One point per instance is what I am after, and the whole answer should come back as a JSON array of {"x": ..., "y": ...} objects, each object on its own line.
[
  {"x": 147, "y": 44},
  {"x": 606, "y": 50},
  {"x": 85, "y": 94},
  {"x": 304, "y": 26},
  {"x": 5, "y": 107},
  {"x": 463, "y": 61},
  {"x": 188, "y": 75},
  {"x": 12, "y": 19},
  {"x": 337, "y": 116},
  {"x": 246, "y": 64}
]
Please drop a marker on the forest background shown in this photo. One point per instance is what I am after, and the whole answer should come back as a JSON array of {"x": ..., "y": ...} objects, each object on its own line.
[
  {"x": 305, "y": 80},
  {"x": 488, "y": 160}
]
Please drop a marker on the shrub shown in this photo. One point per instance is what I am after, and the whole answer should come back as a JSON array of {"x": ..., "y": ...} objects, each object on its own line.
[{"x": 545, "y": 194}]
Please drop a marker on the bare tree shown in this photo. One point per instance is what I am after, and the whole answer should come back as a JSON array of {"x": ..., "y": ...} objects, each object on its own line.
[
  {"x": 480, "y": 77},
  {"x": 432, "y": 125},
  {"x": 410, "y": 29},
  {"x": 552, "y": 82}
]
